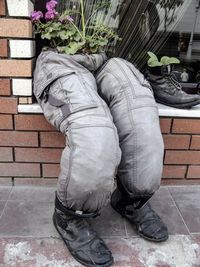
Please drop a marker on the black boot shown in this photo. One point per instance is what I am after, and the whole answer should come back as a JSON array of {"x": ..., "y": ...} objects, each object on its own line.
[
  {"x": 146, "y": 222},
  {"x": 168, "y": 91},
  {"x": 82, "y": 241}
]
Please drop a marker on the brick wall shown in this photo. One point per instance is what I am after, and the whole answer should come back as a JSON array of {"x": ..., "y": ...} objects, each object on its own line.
[
  {"x": 30, "y": 148},
  {"x": 182, "y": 150}
]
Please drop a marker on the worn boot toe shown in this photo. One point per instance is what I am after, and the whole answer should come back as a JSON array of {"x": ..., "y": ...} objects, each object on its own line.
[
  {"x": 145, "y": 220},
  {"x": 82, "y": 241}
]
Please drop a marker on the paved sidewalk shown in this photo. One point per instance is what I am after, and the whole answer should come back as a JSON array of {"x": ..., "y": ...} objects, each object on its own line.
[{"x": 28, "y": 238}]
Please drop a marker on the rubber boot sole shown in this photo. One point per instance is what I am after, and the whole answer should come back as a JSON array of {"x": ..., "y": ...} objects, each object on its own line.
[
  {"x": 182, "y": 106},
  {"x": 135, "y": 228},
  {"x": 74, "y": 256}
]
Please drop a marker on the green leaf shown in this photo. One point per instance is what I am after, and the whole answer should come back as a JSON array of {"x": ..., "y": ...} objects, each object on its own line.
[
  {"x": 46, "y": 35},
  {"x": 169, "y": 60},
  {"x": 73, "y": 47},
  {"x": 154, "y": 63},
  {"x": 103, "y": 42},
  {"x": 174, "y": 60},
  {"x": 165, "y": 60},
  {"x": 152, "y": 56},
  {"x": 61, "y": 49},
  {"x": 77, "y": 38},
  {"x": 63, "y": 35}
]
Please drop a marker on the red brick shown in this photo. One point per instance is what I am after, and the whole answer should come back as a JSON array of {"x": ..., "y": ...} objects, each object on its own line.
[
  {"x": 195, "y": 144},
  {"x": 8, "y": 105},
  {"x": 6, "y": 122},
  {"x": 15, "y": 68},
  {"x": 38, "y": 154},
  {"x": 193, "y": 172},
  {"x": 15, "y": 27},
  {"x": 6, "y": 154},
  {"x": 182, "y": 157},
  {"x": 165, "y": 125},
  {"x": 32, "y": 122},
  {"x": 12, "y": 138},
  {"x": 176, "y": 141},
  {"x": 174, "y": 171},
  {"x": 50, "y": 170},
  {"x": 3, "y": 48},
  {"x": 5, "y": 87},
  {"x": 20, "y": 169},
  {"x": 52, "y": 139},
  {"x": 186, "y": 126},
  {"x": 2, "y": 8}
]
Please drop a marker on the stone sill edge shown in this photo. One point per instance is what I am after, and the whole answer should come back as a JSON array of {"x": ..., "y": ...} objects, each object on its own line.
[{"x": 164, "y": 111}]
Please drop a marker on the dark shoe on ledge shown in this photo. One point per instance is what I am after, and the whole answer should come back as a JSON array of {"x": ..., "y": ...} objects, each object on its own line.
[
  {"x": 82, "y": 241},
  {"x": 169, "y": 92},
  {"x": 145, "y": 221}
]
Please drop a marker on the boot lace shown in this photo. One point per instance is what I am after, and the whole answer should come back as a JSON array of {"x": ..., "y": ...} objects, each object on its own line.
[{"x": 173, "y": 83}]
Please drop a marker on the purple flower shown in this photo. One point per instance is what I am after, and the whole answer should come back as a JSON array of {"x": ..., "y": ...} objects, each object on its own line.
[
  {"x": 51, "y": 5},
  {"x": 51, "y": 14},
  {"x": 66, "y": 19},
  {"x": 36, "y": 16},
  {"x": 70, "y": 19}
]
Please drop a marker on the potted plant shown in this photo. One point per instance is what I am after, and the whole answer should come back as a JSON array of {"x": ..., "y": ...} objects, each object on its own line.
[
  {"x": 66, "y": 35},
  {"x": 167, "y": 90},
  {"x": 153, "y": 60}
]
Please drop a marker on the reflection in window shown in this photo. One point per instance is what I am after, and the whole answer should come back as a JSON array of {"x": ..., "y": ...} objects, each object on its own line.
[{"x": 143, "y": 25}]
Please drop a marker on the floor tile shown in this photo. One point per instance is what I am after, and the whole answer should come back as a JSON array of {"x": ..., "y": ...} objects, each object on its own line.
[
  {"x": 27, "y": 219},
  {"x": 4, "y": 192},
  {"x": 170, "y": 215},
  {"x": 162, "y": 195},
  {"x": 38, "y": 194},
  {"x": 191, "y": 214},
  {"x": 2, "y": 205},
  {"x": 164, "y": 205},
  {"x": 109, "y": 223},
  {"x": 23, "y": 252},
  {"x": 185, "y": 193},
  {"x": 187, "y": 200},
  {"x": 178, "y": 251}
]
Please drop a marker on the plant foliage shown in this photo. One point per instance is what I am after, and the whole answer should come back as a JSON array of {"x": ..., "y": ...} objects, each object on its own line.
[
  {"x": 67, "y": 36},
  {"x": 153, "y": 60}
]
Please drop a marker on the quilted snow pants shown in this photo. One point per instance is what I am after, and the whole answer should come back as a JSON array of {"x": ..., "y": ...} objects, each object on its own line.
[{"x": 110, "y": 120}]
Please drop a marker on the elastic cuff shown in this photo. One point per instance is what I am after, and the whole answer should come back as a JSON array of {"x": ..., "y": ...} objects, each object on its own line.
[
  {"x": 74, "y": 213},
  {"x": 138, "y": 200}
]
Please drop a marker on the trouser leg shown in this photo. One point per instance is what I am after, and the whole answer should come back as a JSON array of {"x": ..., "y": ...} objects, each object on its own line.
[
  {"x": 135, "y": 115},
  {"x": 90, "y": 159}
]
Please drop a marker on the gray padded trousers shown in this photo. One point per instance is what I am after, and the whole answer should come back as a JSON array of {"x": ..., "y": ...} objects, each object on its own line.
[{"x": 108, "y": 114}]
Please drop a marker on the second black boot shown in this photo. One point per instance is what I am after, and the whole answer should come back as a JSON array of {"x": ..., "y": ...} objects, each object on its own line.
[
  {"x": 168, "y": 91},
  {"x": 139, "y": 213},
  {"x": 82, "y": 241}
]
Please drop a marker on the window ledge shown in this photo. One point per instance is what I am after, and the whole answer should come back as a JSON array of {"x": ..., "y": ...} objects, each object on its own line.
[{"x": 164, "y": 111}]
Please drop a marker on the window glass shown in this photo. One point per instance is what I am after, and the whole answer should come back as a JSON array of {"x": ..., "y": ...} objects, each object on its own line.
[{"x": 161, "y": 26}]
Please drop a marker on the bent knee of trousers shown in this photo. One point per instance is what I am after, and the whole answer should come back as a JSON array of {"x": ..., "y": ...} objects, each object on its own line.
[
  {"x": 151, "y": 165},
  {"x": 88, "y": 165},
  {"x": 142, "y": 153}
]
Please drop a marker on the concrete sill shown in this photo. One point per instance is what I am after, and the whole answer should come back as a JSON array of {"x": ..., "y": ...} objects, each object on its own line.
[{"x": 164, "y": 111}]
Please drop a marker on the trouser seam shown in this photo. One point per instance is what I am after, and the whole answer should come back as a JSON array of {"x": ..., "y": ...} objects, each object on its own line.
[
  {"x": 134, "y": 166},
  {"x": 71, "y": 153},
  {"x": 134, "y": 161}
]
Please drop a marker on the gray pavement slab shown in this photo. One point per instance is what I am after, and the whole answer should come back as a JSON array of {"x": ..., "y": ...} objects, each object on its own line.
[{"x": 28, "y": 237}]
